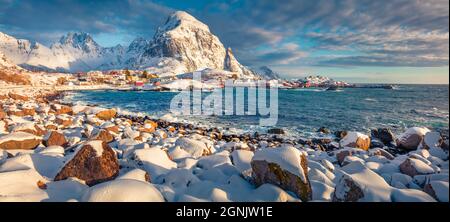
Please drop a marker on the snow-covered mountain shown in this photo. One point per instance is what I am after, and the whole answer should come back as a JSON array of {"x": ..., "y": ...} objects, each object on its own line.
[
  {"x": 267, "y": 73},
  {"x": 183, "y": 44}
]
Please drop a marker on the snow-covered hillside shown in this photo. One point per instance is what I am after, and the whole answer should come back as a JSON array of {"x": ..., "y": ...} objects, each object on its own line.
[
  {"x": 267, "y": 73},
  {"x": 183, "y": 44}
]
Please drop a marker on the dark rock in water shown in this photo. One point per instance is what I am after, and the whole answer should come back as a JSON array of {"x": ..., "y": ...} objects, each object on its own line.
[
  {"x": 323, "y": 130},
  {"x": 385, "y": 135},
  {"x": 276, "y": 131},
  {"x": 91, "y": 163},
  {"x": 340, "y": 134}
]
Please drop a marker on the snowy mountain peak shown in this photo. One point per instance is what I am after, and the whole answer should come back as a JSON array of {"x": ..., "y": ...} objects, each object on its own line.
[
  {"x": 138, "y": 45},
  {"x": 182, "y": 18},
  {"x": 181, "y": 45},
  {"x": 267, "y": 73},
  {"x": 80, "y": 40}
]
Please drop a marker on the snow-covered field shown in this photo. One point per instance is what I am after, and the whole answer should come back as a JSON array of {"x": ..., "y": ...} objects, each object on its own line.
[{"x": 55, "y": 152}]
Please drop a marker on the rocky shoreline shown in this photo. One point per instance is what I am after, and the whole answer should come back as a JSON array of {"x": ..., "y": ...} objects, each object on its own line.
[{"x": 55, "y": 151}]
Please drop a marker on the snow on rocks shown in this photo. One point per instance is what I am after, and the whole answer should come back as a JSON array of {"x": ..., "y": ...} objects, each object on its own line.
[
  {"x": 123, "y": 190},
  {"x": 21, "y": 185},
  {"x": 242, "y": 159},
  {"x": 356, "y": 140},
  {"x": 412, "y": 138},
  {"x": 194, "y": 147},
  {"x": 410, "y": 195},
  {"x": 19, "y": 140},
  {"x": 360, "y": 184},
  {"x": 93, "y": 162},
  {"x": 438, "y": 190},
  {"x": 413, "y": 167},
  {"x": 3, "y": 156},
  {"x": 55, "y": 138},
  {"x": 154, "y": 160},
  {"x": 28, "y": 127},
  {"x": 286, "y": 167},
  {"x": 135, "y": 174}
]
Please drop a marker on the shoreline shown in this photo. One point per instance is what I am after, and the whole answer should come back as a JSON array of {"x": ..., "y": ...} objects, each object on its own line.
[{"x": 40, "y": 124}]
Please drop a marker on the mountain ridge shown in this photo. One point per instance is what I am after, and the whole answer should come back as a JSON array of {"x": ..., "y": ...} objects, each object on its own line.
[{"x": 183, "y": 44}]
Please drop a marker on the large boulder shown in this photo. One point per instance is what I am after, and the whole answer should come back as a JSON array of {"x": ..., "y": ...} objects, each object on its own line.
[
  {"x": 413, "y": 167},
  {"x": 19, "y": 140},
  {"x": 55, "y": 138},
  {"x": 360, "y": 184},
  {"x": 94, "y": 162},
  {"x": 356, "y": 140},
  {"x": 411, "y": 139},
  {"x": 285, "y": 167}
]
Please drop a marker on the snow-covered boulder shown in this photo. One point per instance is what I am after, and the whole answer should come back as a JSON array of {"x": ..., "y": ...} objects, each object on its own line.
[
  {"x": 194, "y": 147},
  {"x": 123, "y": 190},
  {"x": 413, "y": 167},
  {"x": 438, "y": 190},
  {"x": 19, "y": 140},
  {"x": 103, "y": 135},
  {"x": 93, "y": 162},
  {"x": 286, "y": 167},
  {"x": 382, "y": 152},
  {"x": 360, "y": 184},
  {"x": 21, "y": 185},
  {"x": 55, "y": 138},
  {"x": 155, "y": 161},
  {"x": 410, "y": 195},
  {"x": 432, "y": 140},
  {"x": 242, "y": 159},
  {"x": 28, "y": 127},
  {"x": 356, "y": 140},
  {"x": 412, "y": 138}
]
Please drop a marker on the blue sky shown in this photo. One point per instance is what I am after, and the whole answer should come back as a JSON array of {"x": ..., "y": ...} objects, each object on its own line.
[{"x": 398, "y": 41}]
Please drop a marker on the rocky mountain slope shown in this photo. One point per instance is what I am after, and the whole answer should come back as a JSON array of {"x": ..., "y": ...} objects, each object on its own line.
[{"x": 183, "y": 44}]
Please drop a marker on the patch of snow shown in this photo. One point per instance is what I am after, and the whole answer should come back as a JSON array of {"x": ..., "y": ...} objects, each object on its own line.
[{"x": 123, "y": 190}]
